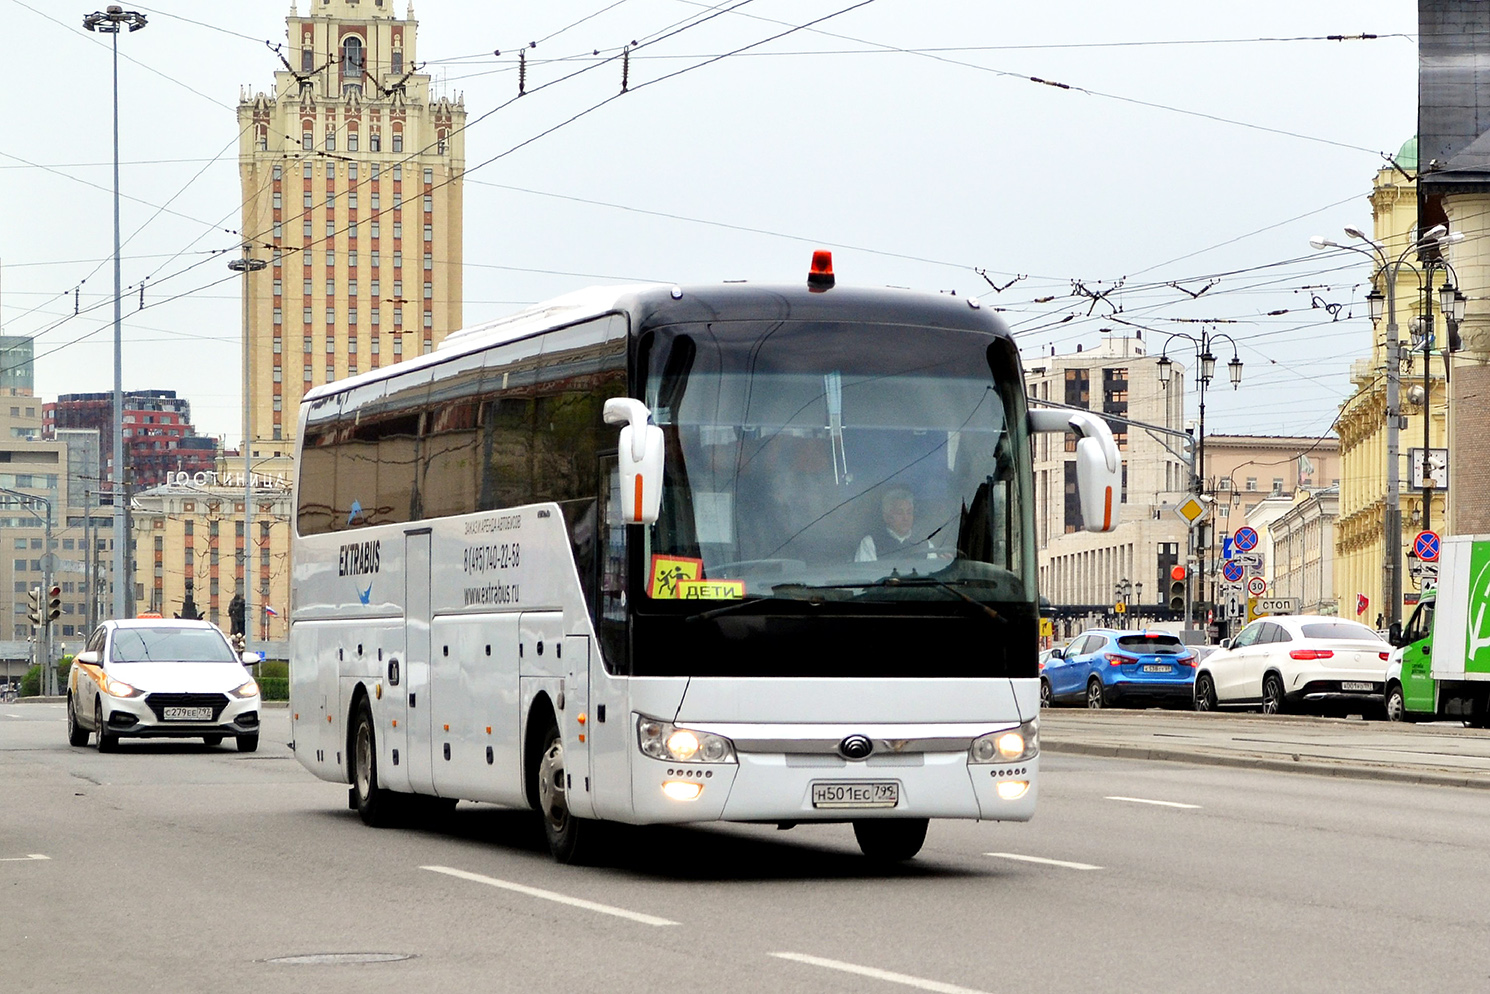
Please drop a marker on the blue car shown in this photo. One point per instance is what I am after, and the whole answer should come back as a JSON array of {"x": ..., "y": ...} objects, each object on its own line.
[{"x": 1102, "y": 667}]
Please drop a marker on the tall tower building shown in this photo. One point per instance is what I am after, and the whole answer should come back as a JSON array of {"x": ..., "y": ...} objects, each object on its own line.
[{"x": 351, "y": 173}]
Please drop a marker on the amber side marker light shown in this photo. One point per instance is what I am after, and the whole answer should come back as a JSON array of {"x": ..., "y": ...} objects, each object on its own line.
[{"x": 820, "y": 276}]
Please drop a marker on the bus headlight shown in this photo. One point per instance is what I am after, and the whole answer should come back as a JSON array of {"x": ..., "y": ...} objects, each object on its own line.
[
  {"x": 1008, "y": 746},
  {"x": 666, "y": 741}
]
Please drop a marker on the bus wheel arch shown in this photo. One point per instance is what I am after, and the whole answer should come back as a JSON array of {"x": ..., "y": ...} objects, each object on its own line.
[
  {"x": 359, "y": 695},
  {"x": 540, "y": 716}
]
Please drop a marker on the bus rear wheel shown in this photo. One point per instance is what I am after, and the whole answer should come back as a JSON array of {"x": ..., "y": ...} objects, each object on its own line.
[
  {"x": 891, "y": 840},
  {"x": 570, "y": 839}
]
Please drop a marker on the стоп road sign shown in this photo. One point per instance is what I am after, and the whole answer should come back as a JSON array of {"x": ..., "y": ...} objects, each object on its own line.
[{"x": 1257, "y": 586}]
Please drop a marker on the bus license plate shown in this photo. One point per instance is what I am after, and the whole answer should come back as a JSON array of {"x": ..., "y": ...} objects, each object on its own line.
[
  {"x": 1351, "y": 685},
  {"x": 855, "y": 794},
  {"x": 187, "y": 714}
]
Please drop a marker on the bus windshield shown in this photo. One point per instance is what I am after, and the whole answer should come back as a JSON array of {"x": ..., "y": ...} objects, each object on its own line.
[{"x": 838, "y": 461}]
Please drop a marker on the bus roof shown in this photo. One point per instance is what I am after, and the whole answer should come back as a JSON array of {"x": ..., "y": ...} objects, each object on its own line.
[{"x": 661, "y": 304}]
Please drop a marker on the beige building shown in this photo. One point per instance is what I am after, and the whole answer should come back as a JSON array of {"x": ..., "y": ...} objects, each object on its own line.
[
  {"x": 352, "y": 172},
  {"x": 189, "y": 535},
  {"x": 1303, "y": 552},
  {"x": 1360, "y": 528},
  {"x": 1081, "y": 569},
  {"x": 38, "y": 467}
]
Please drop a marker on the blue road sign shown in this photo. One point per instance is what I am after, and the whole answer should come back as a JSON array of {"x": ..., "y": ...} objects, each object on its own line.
[
  {"x": 1227, "y": 550},
  {"x": 1426, "y": 546},
  {"x": 1233, "y": 571},
  {"x": 1245, "y": 538}
]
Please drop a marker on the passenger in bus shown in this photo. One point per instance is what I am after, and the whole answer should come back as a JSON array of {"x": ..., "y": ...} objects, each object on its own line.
[{"x": 895, "y": 540}]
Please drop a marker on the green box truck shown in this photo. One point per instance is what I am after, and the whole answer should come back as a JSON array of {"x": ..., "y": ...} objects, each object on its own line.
[{"x": 1441, "y": 666}]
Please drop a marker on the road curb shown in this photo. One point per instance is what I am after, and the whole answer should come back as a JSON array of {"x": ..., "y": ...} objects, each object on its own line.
[{"x": 1309, "y": 767}]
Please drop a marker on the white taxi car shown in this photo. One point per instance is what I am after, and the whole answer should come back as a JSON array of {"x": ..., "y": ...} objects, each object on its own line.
[{"x": 157, "y": 678}]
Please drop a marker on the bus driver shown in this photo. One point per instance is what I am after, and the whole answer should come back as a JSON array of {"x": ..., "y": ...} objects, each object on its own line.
[{"x": 898, "y": 509}]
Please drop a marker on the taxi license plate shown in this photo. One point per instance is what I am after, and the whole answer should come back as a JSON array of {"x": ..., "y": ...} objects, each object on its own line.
[
  {"x": 1354, "y": 685},
  {"x": 855, "y": 794},
  {"x": 1156, "y": 669},
  {"x": 187, "y": 714}
]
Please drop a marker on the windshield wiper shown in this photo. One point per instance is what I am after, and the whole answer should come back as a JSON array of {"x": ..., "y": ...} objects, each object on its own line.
[
  {"x": 896, "y": 580},
  {"x": 726, "y": 609}
]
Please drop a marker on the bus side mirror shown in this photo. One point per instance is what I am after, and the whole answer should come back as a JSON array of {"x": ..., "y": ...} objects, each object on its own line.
[
  {"x": 1394, "y": 633},
  {"x": 640, "y": 459},
  {"x": 1099, "y": 467}
]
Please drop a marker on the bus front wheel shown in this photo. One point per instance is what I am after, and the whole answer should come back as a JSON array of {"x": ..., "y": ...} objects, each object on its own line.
[
  {"x": 890, "y": 840},
  {"x": 570, "y": 839}
]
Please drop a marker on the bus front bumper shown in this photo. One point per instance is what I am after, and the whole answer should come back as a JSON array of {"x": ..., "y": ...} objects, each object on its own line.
[{"x": 784, "y": 787}]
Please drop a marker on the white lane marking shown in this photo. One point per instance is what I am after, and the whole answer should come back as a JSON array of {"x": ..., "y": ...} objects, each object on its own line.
[
  {"x": 548, "y": 895},
  {"x": 1042, "y": 860},
  {"x": 877, "y": 974},
  {"x": 1162, "y": 804},
  {"x": 22, "y": 859}
]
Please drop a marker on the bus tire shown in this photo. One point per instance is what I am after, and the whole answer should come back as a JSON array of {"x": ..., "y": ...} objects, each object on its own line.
[
  {"x": 376, "y": 805},
  {"x": 890, "y": 840},
  {"x": 570, "y": 839}
]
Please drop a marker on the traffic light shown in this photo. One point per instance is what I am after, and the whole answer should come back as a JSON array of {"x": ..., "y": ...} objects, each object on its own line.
[
  {"x": 54, "y": 603},
  {"x": 1177, "y": 589},
  {"x": 34, "y": 596}
]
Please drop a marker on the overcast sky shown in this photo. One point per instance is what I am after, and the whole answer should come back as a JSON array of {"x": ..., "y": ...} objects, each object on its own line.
[{"x": 1189, "y": 143}]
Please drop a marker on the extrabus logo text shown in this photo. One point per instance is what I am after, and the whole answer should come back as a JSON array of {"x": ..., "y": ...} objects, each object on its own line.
[{"x": 360, "y": 558}]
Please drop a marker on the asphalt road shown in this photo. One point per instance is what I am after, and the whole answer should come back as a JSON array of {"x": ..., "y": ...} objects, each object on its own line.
[{"x": 170, "y": 866}]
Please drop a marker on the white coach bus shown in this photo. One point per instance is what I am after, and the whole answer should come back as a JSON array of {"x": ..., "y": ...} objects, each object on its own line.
[{"x": 660, "y": 554}]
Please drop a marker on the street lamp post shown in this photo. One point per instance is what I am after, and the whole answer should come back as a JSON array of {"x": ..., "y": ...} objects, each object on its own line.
[
  {"x": 111, "y": 22},
  {"x": 1388, "y": 271},
  {"x": 1205, "y": 371},
  {"x": 247, "y": 265}
]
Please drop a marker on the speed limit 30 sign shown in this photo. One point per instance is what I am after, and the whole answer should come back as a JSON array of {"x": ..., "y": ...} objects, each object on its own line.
[{"x": 1257, "y": 586}]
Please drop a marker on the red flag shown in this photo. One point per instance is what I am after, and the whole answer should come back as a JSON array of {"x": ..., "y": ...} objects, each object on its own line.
[{"x": 1361, "y": 603}]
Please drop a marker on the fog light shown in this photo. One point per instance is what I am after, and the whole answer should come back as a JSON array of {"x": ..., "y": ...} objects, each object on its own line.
[
  {"x": 682, "y": 790},
  {"x": 1012, "y": 790}
]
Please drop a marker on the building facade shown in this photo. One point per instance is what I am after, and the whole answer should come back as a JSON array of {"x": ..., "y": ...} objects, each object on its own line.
[
  {"x": 1303, "y": 542},
  {"x": 158, "y": 435},
  {"x": 36, "y": 467},
  {"x": 1360, "y": 529},
  {"x": 352, "y": 182},
  {"x": 1084, "y": 573},
  {"x": 189, "y": 540}
]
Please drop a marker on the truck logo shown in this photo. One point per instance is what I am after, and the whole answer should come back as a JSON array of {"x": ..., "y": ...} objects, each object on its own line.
[{"x": 1477, "y": 641}]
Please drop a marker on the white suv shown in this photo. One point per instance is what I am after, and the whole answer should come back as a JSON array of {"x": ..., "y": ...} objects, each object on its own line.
[
  {"x": 154, "y": 678},
  {"x": 1289, "y": 661}
]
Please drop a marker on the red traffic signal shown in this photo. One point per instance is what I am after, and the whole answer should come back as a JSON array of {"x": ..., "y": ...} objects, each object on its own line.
[
  {"x": 1177, "y": 573},
  {"x": 54, "y": 603}
]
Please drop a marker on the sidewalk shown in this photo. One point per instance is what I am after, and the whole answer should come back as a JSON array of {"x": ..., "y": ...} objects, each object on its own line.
[{"x": 1439, "y": 753}]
